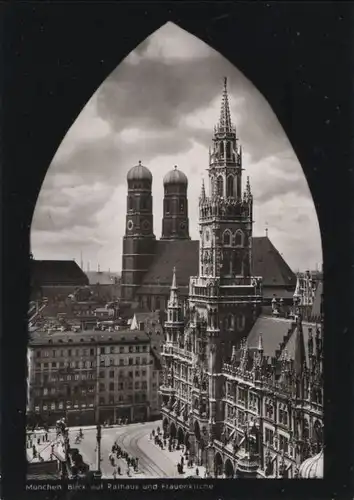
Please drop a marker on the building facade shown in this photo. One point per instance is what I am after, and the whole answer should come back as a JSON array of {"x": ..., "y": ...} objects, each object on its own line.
[
  {"x": 91, "y": 377},
  {"x": 241, "y": 412}
]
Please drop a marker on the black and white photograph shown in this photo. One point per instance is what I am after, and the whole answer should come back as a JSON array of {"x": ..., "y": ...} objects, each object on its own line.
[{"x": 176, "y": 311}]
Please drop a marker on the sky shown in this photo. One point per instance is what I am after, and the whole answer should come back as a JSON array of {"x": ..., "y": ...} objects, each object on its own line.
[{"x": 160, "y": 106}]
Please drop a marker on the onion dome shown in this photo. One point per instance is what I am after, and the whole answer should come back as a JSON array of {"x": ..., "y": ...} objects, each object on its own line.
[
  {"x": 139, "y": 173},
  {"x": 312, "y": 468},
  {"x": 175, "y": 177}
]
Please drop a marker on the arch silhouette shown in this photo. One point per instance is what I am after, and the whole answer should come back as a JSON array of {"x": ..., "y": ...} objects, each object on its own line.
[
  {"x": 43, "y": 150},
  {"x": 180, "y": 435},
  {"x": 218, "y": 464},
  {"x": 173, "y": 430},
  {"x": 165, "y": 424},
  {"x": 229, "y": 469}
]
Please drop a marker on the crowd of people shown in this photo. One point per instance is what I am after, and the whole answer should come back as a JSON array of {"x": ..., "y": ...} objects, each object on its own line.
[
  {"x": 118, "y": 453},
  {"x": 165, "y": 441}
]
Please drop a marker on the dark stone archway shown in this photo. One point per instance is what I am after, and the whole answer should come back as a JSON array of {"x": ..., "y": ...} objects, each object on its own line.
[
  {"x": 173, "y": 430},
  {"x": 229, "y": 469},
  {"x": 165, "y": 424},
  {"x": 180, "y": 435},
  {"x": 218, "y": 465}
]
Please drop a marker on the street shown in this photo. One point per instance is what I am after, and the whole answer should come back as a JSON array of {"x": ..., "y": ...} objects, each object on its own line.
[{"x": 132, "y": 438}]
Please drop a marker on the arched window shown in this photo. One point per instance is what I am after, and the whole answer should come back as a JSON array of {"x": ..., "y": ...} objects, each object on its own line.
[
  {"x": 157, "y": 302},
  {"x": 239, "y": 238},
  {"x": 227, "y": 237},
  {"x": 167, "y": 206},
  {"x": 181, "y": 206},
  {"x": 230, "y": 186},
  {"x": 143, "y": 203},
  {"x": 228, "y": 151},
  {"x": 221, "y": 149},
  {"x": 240, "y": 323},
  {"x": 220, "y": 186},
  {"x": 130, "y": 203}
]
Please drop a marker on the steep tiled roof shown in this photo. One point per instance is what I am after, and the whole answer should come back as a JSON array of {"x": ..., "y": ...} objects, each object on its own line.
[
  {"x": 56, "y": 272},
  {"x": 291, "y": 345},
  {"x": 267, "y": 262},
  {"x": 273, "y": 332},
  {"x": 316, "y": 308},
  {"x": 183, "y": 254},
  {"x": 101, "y": 277}
]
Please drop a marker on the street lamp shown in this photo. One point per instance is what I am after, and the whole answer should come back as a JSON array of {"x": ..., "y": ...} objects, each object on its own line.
[{"x": 98, "y": 439}]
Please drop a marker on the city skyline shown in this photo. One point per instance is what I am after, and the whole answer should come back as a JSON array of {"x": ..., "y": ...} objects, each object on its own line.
[{"x": 165, "y": 122}]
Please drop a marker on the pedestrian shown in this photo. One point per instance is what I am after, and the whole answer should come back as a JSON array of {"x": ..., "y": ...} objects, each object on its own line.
[
  {"x": 197, "y": 471},
  {"x": 38, "y": 441},
  {"x": 46, "y": 436},
  {"x": 119, "y": 471}
]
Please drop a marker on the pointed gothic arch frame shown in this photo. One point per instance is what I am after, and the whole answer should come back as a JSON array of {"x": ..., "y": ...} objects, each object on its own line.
[
  {"x": 239, "y": 238},
  {"x": 227, "y": 234},
  {"x": 20, "y": 219},
  {"x": 220, "y": 185}
]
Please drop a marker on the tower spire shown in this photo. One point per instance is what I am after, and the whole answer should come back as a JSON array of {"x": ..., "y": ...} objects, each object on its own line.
[
  {"x": 202, "y": 194},
  {"x": 173, "y": 302},
  {"x": 225, "y": 116}
]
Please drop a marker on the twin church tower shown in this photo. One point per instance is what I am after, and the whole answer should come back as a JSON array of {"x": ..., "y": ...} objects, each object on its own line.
[
  {"x": 139, "y": 242},
  {"x": 225, "y": 216}
]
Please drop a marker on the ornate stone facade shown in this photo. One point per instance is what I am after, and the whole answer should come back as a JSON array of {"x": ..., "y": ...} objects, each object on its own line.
[{"x": 238, "y": 412}]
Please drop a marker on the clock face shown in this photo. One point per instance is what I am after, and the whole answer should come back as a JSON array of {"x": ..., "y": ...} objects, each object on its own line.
[
  {"x": 146, "y": 225},
  {"x": 130, "y": 225}
]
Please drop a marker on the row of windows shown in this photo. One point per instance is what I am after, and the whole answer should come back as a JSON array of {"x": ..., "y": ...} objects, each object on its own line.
[
  {"x": 61, "y": 353},
  {"x": 60, "y": 405},
  {"x": 63, "y": 377},
  {"x": 123, "y": 398},
  {"x": 121, "y": 373},
  {"x": 45, "y": 391},
  {"x": 62, "y": 364},
  {"x": 253, "y": 401},
  {"x": 122, "y": 385},
  {"x": 91, "y": 364}
]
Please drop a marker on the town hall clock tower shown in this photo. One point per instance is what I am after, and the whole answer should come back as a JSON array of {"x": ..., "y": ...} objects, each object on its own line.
[{"x": 224, "y": 299}]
